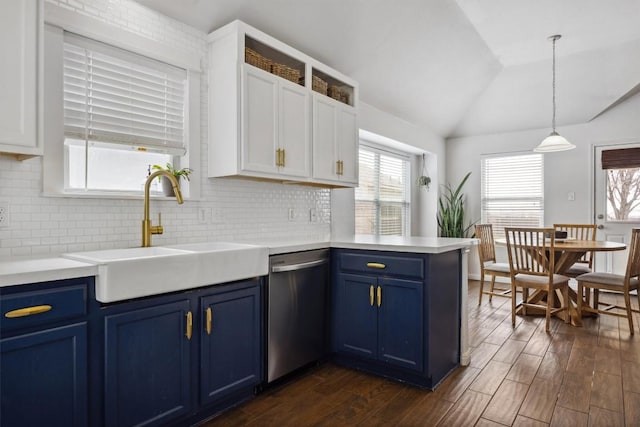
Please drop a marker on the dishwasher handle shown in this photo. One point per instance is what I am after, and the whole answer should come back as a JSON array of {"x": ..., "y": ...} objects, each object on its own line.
[{"x": 295, "y": 267}]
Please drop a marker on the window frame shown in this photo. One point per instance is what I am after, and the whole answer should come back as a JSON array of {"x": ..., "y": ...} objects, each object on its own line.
[
  {"x": 406, "y": 204},
  {"x": 57, "y": 21},
  {"x": 485, "y": 200}
]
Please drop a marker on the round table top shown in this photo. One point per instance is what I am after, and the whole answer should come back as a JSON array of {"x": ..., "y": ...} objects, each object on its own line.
[{"x": 582, "y": 245}]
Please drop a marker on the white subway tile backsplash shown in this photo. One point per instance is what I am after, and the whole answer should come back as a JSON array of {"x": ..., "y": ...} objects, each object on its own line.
[{"x": 241, "y": 210}]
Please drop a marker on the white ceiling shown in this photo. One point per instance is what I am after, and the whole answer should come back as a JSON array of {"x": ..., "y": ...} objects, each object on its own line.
[{"x": 462, "y": 67}]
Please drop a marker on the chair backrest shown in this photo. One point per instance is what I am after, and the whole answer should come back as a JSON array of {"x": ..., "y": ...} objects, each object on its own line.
[
  {"x": 486, "y": 248},
  {"x": 633, "y": 262},
  {"x": 580, "y": 232},
  {"x": 531, "y": 250}
]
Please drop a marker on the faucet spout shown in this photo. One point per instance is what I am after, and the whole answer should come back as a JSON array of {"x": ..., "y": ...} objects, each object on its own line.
[{"x": 148, "y": 228}]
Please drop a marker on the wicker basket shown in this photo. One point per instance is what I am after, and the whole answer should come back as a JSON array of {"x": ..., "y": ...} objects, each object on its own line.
[
  {"x": 286, "y": 72},
  {"x": 254, "y": 58},
  {"x": 339, "y": 94},
  {"x": 319, "y": 85}
]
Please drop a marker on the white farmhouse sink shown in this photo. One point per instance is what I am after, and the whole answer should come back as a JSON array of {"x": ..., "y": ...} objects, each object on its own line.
[
  {"x": 138, "y": 272},
  {"x": 221, "y": 262}
]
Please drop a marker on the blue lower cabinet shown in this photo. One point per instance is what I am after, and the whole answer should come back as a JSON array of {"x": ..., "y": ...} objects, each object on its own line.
[
  {"x": 230, "y": 356},
  {"x": 357, "y": 313},
  {"x": 401, "y": 323},
  {"x": 147, "y": 364},
  {"x": 397, "y": 314},
  {"x": 44, "y": 378}
]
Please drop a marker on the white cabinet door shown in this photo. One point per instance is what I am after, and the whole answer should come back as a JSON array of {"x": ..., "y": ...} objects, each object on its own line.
[
  {"x": 347, "y": 135},
  {"x": 324, "y": 138},
  {"x": 294, "y": 129},
  {"x": 260, "y": 108},
  {"x": 18, "y": 77},
  {"x": 335, "y": 141}
]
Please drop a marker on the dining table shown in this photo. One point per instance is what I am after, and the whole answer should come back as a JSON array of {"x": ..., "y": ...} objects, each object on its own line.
[{"x": 568, "y": 252}]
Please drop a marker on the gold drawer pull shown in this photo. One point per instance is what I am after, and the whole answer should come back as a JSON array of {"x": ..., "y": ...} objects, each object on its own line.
[
  {"x": 209, "y": 320},
  {"x": 376, "y": 265},
  {"x": 379, "y": 296},
  {"x": 28, "y": 311},
  {"x": 189, "y": 325},
  {"x": 371, "y": 295}
]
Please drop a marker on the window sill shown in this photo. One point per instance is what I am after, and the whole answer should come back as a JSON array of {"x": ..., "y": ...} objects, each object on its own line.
[{"x": 113, "y": 196}]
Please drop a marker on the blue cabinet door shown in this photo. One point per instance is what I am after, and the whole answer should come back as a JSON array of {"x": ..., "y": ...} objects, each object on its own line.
[
  {"x": 44, "y": 378},
  {"x": 147, "y": 365},
  {"x": 401, "y": 323},
  {"x": 356, "y": 321},
  {"x": 230, "y": 341}
]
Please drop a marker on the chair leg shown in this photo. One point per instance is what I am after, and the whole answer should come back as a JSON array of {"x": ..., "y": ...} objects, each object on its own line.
[
  {"x": 493, "y": 283},
  {"x": 565, "y": 296},
  {"x": 580, "y": 296},
  {"x": 525, "y": 297},
  {"x": 627, "y": 303},
  {"x": 596, "y": 299},
  {"x": 551, "y": 296},
  {"x": 513, "y": 305},
  {"x": 481, "y": 287}
]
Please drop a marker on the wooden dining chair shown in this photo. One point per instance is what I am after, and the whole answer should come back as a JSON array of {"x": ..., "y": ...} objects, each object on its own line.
[
  {"x": 488, "y": 264},
  {"x": 615, "y": 282},
  {"x": 531, "y": 261},
  {"x": 579, "y": 232}
]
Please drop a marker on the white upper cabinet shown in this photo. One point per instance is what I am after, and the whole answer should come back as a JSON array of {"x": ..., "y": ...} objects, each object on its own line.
[
  {"x": 20, "y": 29},
  {"x": 261, "y": 123}
]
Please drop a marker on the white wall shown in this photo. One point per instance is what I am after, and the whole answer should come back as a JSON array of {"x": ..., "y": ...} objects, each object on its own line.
[
  {"x": 424, "y": 203},
  {"x": 563, "y": 172}
]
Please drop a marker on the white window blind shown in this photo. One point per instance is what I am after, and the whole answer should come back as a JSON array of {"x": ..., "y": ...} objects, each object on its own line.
[
  {"x": 383, "y": 196},
  {"x": 513, "y": 192},
  {"x": 117, "y": 97}
]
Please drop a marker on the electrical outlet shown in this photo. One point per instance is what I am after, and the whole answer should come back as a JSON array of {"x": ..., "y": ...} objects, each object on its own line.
[
  {"x": 4, "y": 213},
  {"x": 292, "y": 214},
  {"x": 313, "y": 215},
  {"x": 203, "y": 215}
]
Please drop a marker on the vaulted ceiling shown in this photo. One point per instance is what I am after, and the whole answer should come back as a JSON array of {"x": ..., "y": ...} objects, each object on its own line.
[{"x": 462, "y": 67}]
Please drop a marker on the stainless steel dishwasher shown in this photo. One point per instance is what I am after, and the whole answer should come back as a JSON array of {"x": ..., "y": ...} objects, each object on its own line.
[{"x": 296, "y": 310}]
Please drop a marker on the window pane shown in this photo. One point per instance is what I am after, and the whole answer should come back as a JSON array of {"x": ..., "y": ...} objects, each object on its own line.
[
  {"x": 623, "y": 194},
  {"x": 382, "y": 199},
  {"x": 110, "y": 168},
  {"x": 512, "y": 192}
]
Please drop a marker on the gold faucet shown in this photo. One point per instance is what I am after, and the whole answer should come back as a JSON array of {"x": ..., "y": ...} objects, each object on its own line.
[{"x": 147, "y": 228}]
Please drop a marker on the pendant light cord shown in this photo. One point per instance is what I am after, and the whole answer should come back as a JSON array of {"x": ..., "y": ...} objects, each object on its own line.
[{"x": 553, "y": 85}]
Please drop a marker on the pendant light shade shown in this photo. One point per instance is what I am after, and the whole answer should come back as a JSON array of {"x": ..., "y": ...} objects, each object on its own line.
[{"x": 554, "y": 142}]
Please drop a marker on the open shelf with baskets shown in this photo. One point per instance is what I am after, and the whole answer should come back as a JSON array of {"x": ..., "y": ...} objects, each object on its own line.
[
  {"x": 273, "y": 61},
  {"x": 332, "y": 87}
]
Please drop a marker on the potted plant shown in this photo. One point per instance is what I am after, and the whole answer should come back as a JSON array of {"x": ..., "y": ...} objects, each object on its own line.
[
  {"x": 451, "y": 211},
  {"x": 167, "y": 188},
  {"x": 424, "y": 180}
]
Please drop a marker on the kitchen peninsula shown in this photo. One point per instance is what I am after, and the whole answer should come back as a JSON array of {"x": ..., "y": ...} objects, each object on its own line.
[{"x": 405, "y": 283}]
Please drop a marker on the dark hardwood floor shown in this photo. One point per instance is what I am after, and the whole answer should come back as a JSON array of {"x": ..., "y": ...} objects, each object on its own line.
[{"x": 522, "y": 376}]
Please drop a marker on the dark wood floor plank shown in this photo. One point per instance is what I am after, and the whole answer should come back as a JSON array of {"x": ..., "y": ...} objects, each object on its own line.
[
  {"x": 599, "y": 417},
  {"x": 607, "y": 392},
  {"x": 575, "y": 392},
  {"x": 525, "y": 368},
  {"x": 631, "y": 376},
  {"x": 503, "y": 407},
  {"x": 509, "y": 351},
  {"x": 490, "y": 378},
  {"x": 467, "y": 410},
  {"x": 631, "y": 409},
  {"x": 563, "y": 417},
  {"x": 541, "y": 400},
  {"x": 528, "y": 422},
  {"x": 482, "y": 354},
  {"x": 457, "y": 383},
  {"x": 426, "y": 412}
]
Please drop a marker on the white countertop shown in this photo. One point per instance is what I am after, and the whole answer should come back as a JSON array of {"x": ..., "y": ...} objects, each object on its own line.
[{"x": 21, "y": 270}]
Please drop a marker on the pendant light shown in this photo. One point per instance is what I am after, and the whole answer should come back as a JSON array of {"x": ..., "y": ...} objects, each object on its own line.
[{"x": 554, "y": 142}]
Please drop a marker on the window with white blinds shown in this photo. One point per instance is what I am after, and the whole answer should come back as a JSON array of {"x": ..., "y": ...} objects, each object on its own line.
[
  {"x": 383, "y": 196},
  {"x": 513, "y": 192},
  {"x": 118, "y": 97}
]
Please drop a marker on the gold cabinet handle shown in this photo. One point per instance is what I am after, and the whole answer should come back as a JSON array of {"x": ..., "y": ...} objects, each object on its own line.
[
  {"x": 371, "y": 295},
  {"x": 337, "y": 167},
  {"x": 379, "y": 296},
  {"x": 341, "y": 167},
  {"x": 189, "y": 325},
  {"x": 284, "y": 159},
  {"x": 278, "y": 157},
  {"x": 376, "y": 265},
  {"x": 28, "y": 311},
  {"x": 209, "y": 320}
]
